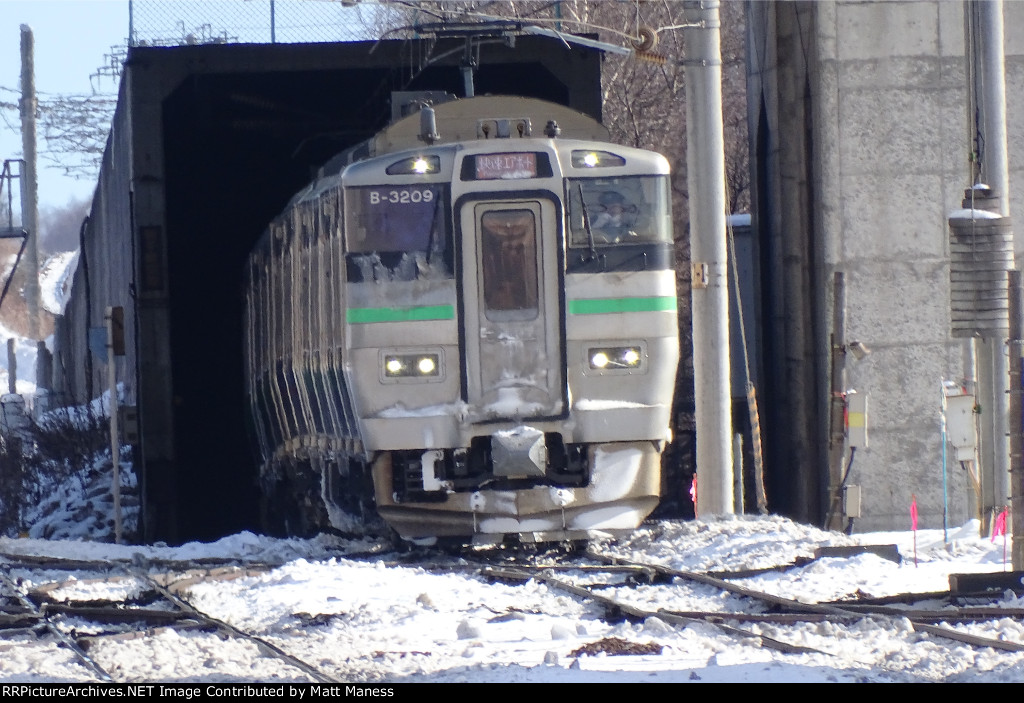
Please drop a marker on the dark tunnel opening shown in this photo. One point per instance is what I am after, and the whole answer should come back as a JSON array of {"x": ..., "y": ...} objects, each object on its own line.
[{"x": 237, "y": 147}]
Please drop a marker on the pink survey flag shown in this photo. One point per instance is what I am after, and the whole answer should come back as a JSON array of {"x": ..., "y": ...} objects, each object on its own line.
[
  {"x": 999, "y": 528},
  {"x": 913, "y": 523},
  {"x": 693, "y": 494}
]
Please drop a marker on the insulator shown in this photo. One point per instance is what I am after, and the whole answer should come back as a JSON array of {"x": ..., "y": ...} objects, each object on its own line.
[
  {"x": 647, "y": 39},
  {"x": 657, "y": 59}
]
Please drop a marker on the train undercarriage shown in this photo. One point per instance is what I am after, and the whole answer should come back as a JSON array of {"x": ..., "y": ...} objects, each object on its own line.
[{"x": 478, "y": 494}]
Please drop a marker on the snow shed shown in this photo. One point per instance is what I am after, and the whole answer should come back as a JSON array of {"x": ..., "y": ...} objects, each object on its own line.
[{"x": 207, "y": 145}]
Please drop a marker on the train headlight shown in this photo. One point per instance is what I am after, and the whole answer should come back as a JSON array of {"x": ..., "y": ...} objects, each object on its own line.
[
  {"x": 410, "y": 366},
  {"x": 615, "y": 358},
  {"x": 582, "y": 158},
  {"x": 416, "y": 165}
]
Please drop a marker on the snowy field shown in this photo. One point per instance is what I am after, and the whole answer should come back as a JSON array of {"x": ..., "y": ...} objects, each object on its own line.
[{"x": 372, "y": 621}]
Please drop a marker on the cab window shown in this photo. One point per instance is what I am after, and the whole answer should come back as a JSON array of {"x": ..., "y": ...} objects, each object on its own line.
[
  {"x": 397, "y": 232},
  {"x": 623, "y": 210}
]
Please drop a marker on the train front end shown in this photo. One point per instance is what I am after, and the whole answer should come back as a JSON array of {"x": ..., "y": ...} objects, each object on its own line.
[{"x": 511, "y": 334}]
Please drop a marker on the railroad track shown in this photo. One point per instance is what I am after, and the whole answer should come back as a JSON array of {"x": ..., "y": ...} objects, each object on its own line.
[
  {"x": 148, "y": 601},
  {"x": 588, "y": 580},
  {"x": 133, "y": 605},
  {"x": 28, "y": 617}
]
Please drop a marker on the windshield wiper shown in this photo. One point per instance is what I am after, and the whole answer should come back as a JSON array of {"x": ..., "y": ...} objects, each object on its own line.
[{"x": 586, "y": 222}]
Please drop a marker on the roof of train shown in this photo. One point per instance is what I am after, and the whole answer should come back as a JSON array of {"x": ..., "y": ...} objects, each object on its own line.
[{"x": 457, "y": 121}]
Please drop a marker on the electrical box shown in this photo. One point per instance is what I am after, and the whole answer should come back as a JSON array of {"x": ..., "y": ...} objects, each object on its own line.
[
  {"x": 961, "y": 425},
  {"x": 117, "y": 329},
  {"x": 851, "y": 501},
  {"x": 857, "y": 419},
  {"x": 128, "y": 421}
]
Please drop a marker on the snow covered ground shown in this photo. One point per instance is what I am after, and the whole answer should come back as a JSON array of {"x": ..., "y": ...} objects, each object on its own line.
[
  {"x": 364, "y": 620},
  {"x": 367, "y": 621}
]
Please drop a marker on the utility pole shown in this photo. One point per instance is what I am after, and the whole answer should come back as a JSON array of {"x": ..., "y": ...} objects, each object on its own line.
[
  {"x": 30, "y": 184},
  {"x": 1016, "y": 413},
  {"x": 705, "y": 162},
  {"x": 988, "y": 101},
  {"x": 1009, "y": 472}
]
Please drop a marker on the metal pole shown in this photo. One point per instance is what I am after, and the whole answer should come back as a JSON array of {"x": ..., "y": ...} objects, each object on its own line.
[
  {"x": 737, "y": 472},
  {"x": 468, "y": 66},
  {"x": 837, "y": 403},
  {"x": 944, "y": 437},
  {"x": 995, "y": 170},
  {"x": 30, "y": 184},
  {"x": 131, "y": 24},
  {"x": 44, "y": 379},
  {"x": 705, "y": 162},
  {"x": 115, "y": 443},
  {"x": 994, "y": 161},
  {"x": 988, "y": 446},
  {"x": 1016, "y": 420},
  {"x": 12, "y": 367}
]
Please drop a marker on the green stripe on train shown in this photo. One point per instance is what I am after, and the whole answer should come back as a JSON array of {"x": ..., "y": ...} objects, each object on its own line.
[
  {"x": 595, "y": 306},
  {"x": 357, "y": 316}
]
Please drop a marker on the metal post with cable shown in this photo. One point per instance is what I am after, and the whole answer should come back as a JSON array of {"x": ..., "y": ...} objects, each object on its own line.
[{"x": 756, "y": 449}]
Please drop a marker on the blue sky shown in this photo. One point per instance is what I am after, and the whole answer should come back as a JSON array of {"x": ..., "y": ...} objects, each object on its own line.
[{"x": 71, "y": 39}]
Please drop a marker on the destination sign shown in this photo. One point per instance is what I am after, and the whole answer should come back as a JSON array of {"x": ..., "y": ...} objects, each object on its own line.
[{"x": 506, "y": 166}]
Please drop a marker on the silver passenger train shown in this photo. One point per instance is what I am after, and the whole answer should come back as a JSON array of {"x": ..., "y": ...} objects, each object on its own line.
[{"x": 468, "y": 324}]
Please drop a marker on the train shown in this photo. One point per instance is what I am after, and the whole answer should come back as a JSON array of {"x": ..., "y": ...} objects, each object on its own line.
[{"x": 467, "y": 327}]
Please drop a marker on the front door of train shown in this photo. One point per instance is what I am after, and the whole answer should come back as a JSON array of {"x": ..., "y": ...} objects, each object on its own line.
[{"x": 511, "y": 282}]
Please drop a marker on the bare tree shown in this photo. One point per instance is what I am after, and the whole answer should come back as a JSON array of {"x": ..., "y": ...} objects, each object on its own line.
[
  {"x": 74, "y": 128},
  {"x": 59, "y": 225}
]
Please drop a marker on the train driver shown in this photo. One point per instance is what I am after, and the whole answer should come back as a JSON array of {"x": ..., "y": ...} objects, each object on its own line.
[{"x": 617, "y": 217}]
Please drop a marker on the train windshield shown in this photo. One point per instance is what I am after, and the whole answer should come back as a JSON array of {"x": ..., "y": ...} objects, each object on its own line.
[
  {"x": 403, "y": 227},
  {"x": 622, "y": 210}
]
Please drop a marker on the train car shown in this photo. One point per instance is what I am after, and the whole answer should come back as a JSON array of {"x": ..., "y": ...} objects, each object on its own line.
[{"x": 468, "y": 324}]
